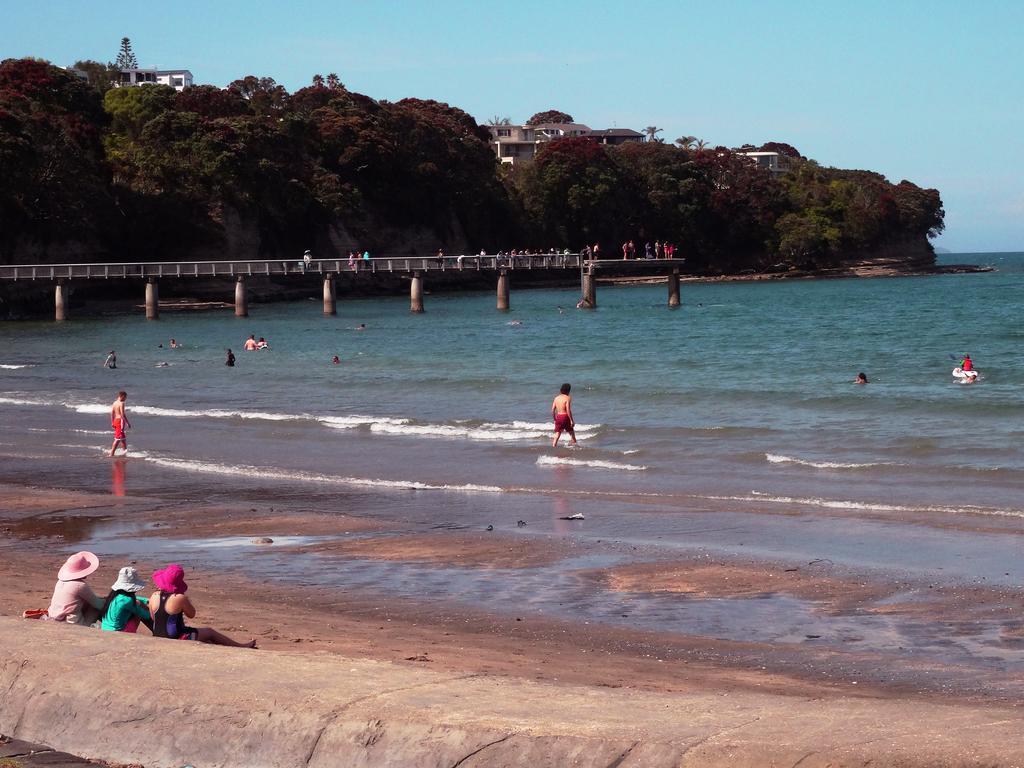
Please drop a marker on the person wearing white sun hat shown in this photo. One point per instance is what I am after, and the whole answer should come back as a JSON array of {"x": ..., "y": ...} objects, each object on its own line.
[
  {"x": 73, "y": 600},
  {"x": 123, "y": 609}
]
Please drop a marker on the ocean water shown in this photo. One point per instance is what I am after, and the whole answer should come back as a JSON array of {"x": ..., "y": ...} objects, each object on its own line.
[{"x": 741, "y": 400}]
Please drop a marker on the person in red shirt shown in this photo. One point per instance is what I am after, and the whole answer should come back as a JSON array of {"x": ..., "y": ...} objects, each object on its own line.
[{"x": 966, "y": 365}]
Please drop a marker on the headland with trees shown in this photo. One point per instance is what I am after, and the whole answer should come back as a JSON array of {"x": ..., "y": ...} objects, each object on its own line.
[{"x": 97, "y": 172}]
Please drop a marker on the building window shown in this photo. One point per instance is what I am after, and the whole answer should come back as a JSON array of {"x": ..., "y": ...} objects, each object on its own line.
[
  {"x": 178, "y": 81},
  {"x": 504, "y": 131}
]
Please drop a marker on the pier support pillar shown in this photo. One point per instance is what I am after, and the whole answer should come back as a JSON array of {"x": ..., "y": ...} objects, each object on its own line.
[
  {"x": 330, "y": 295},
  {"x": 416, "y": 293},
  {"x": 152, "y": 299},
  {"x": 673, "y": 288},
  {"x": 589, "y": 300},
  {"x": 503, "y": 291},
  {"x": 60, "y": 301},
  {"x": 241, "y": 298}
]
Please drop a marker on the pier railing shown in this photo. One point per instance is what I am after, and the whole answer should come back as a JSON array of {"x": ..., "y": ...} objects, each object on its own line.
[
  {"x": 267, "y": 267},
  {"x": 63, "y": 276}
]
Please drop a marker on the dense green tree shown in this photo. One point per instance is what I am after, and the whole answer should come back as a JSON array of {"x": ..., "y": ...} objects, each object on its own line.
[
  {"x": 102, "y": 77},
  {"x": 131, "y": 108},
  {"x": 550, "y": 116},
  {"x": 55, "y": 177}
]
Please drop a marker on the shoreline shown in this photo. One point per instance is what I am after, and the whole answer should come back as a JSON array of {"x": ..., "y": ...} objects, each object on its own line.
[
  {"x": 293, "y": 547},
  {"x": 543, "y": 665}
]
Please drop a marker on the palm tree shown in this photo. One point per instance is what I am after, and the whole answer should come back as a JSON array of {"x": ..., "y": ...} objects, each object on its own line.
[
  {"x": 700, "y": 145},
  {"x": 686, "y": 142},
  {"x": 497, "y": 120},
  {"x": 652, "y": 132}
]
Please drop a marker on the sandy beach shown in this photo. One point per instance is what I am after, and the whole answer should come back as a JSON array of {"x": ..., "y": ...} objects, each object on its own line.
[{"x": 291, "y": 611}]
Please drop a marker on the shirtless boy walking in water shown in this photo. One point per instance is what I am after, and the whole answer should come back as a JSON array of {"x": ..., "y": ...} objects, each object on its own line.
[
  {"x": 561, "y": 410},
  {"x": 119, "y": 421}
]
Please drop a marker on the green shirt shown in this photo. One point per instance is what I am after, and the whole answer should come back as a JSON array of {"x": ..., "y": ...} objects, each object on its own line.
[{"x": 121, "y": 609}]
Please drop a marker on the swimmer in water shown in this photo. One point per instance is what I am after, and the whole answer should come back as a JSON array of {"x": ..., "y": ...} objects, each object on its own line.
[
  {"x": 230, "y": 361},
  {"x": 861, "y": 378},
  {"x": 111, "y": 361},
  {"x": 174, "y": 344},
  {"x": 336, "y": 360},
  {"x": 250, "y": 343},
  {"x": 361, "y": 327}
]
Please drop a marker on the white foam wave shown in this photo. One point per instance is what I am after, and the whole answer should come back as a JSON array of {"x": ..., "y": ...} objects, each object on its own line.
[
  {"x": 775, "y": 458},
  {"x": 867, "y": 506},
  {"x": 90, "y": 408},
  {"x": 381, "y": 425},
  {"x": 550, "y": 461},
  {"x": 10, "y": 367},
  {"x": 23, "y": 401},
  {"x": 192, "y": 465},
  {"x": 354, "y": 422}
]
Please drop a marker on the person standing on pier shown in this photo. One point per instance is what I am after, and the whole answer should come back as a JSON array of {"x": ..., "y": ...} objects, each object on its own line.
[{"x": 561, "y": 412}]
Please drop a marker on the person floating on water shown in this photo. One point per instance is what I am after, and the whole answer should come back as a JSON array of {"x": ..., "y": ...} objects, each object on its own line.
[
  {"x": 861, "y": 378},
  {"x": 230, "y": 361},
  {"x": 250, "y": 343},
  {"x": 561, "y": 412},
  {"x": 111, "y": 361},
  {"x": 336, "y": 360},
  {"x": 174, "y": 344},
  {"x": 119, "y": 422},
  {"x": 262, "y": 344}
]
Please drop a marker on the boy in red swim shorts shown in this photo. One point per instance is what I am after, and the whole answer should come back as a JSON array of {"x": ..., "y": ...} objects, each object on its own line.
[
  {"x": 119, "y": 421},
  {"x": 561, "y": 412}
]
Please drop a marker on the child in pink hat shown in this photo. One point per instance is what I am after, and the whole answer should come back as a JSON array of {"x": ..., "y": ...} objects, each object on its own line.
[
  {"x": 73, "y": 600},
  {"x": 169, "y": 608}
]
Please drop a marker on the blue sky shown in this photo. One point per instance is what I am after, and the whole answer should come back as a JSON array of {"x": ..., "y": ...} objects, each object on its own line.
[{"x": 931, "y": 91}]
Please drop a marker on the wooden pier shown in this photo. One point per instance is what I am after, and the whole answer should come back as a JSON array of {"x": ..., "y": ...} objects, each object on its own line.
[{"x": 416, "y": 269}]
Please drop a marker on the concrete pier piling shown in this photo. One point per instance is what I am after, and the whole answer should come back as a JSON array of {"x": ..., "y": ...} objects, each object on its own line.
[
  {"x": 673, "y": 288},
  {"x": 60, "y": 301},
  {"x": 416, "y": 293},
  {"x": 503, "y": 291},
  {"x": 589, "y": 300},
  {"x": 330, "y": 295},
  {"x": 152, "y": 299},
  {"x": 241, "y": 298}
]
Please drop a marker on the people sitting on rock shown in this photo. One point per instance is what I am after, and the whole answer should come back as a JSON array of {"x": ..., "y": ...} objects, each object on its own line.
[
  {"x": 73, "y": 600},
  {"x": 170, "y": 607},
  {"x": 124, "y": 610}
]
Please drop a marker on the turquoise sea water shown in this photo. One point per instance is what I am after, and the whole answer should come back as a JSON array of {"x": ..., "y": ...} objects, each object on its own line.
[{"x": 741, "y": 399}]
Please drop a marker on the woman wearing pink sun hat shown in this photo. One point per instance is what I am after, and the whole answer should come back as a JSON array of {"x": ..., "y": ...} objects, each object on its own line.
[
  {"x": 73, "y": 600},
  {"x": 169, "y": 608}
]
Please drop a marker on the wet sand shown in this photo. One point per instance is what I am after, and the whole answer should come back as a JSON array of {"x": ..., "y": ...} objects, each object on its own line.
[{"x": 281, "y": 575}]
